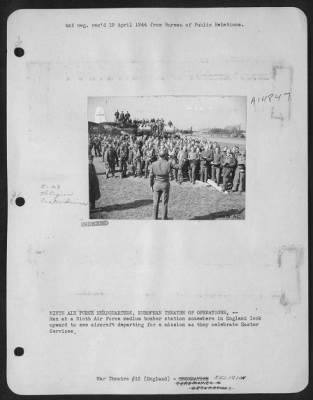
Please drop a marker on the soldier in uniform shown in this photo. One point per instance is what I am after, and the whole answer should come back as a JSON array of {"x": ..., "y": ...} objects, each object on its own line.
[
  {"x": 123, "y": 150},
  {"x": 95, "y": 143},
  {"x": 173, "y": 162},
  {"x": 98, "y": 146},
  {"x": 131, "y": 158},
  {"x": 90, "y": 146},
  {"x": 117, "y": 116},
  {"x": 94, "y": 191},
  {"x": 228, "y": 164},
  {"x": 240, "y": 173},
  {"x": 122, "y": 117},
  {"x": 110, "y": 157},
  {"x": 216, "y": 165},
  {"x": 235, "y": 151},
  {"x": 160, "y": 184},
  {"x": 210, "y": 158},
  {"x": 127, "y": 116},
  {"x": 182, "y": 158},
  {"x": 148, "y": 158},
  {"x": 137, "y": 161},
  {"x": 192, "y": 157},
  {"x": 204, "y": 163}
]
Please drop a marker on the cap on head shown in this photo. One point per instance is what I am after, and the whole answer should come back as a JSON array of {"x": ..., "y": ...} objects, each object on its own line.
[{"x": 162, "y": 153}]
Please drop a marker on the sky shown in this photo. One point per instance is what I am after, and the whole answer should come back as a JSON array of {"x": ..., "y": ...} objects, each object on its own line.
[{"x": 198, "y": 112}]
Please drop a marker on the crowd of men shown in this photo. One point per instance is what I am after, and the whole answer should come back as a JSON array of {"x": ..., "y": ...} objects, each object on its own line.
[{"x": 190, "y": 158}]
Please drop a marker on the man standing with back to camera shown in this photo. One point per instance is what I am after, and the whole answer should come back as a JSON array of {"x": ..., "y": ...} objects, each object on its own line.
[{"x": 160, "y": 183}]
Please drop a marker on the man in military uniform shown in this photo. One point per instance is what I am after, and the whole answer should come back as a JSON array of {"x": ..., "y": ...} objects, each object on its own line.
[
  {"x": 193, "y": 156},
  {"x": 216, "y": 165},
  {"x": 173, "y": 162},
  {"x": 98, "y": 146},
  {"x": 148, "y": 155},
  {"x": 210, "y": 159},
  {"x": 90, "y": 146},
  {"x": 204, "y": 164},
  {"x": 117, "y": 116},
  {"x": 228, "y": 164},
  {"x": 127, "y": 116},
  {"x": 122, "y": 117},
  {"x": 123, "y": 150},
  {"x": 137, "y": 161},
  {"x": 160, "y": 184},
  {"x": 110, "y": 158},
  {"x": 240, "y": 173},
  {"x": 182, "y": 158}
]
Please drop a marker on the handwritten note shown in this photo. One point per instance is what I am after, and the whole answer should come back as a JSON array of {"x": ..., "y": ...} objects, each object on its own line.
[{"x": 54, "y": 194}]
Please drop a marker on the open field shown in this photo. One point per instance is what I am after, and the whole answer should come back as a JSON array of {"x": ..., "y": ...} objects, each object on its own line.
[{"x": 131, "y": 198}]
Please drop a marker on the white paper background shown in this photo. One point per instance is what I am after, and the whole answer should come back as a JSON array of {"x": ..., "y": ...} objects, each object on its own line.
[{"x": 52, "y": 260}]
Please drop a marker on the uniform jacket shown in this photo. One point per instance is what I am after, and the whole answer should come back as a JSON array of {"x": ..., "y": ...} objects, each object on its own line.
[
  {"x": 160, "y": 171},
  {"x": 110, "y": 156},
  {"x": 229, "y": 162},
  {"x": 217, "y": 158}
]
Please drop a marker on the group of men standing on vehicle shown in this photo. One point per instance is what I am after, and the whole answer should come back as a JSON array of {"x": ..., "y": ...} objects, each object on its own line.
[
  {"x": 122, "y": 117},
  {"x": 156, "y": 126}
]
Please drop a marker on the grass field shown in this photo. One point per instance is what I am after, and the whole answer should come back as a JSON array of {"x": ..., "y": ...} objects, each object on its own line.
[{"x": 131, "y": 198}]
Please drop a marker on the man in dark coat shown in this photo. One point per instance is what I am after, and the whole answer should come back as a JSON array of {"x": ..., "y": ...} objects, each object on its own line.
[{"x": 94, "y": 191}]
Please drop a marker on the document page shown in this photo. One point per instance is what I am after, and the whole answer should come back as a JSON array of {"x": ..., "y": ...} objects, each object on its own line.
[{"x": 157, "y": 201}]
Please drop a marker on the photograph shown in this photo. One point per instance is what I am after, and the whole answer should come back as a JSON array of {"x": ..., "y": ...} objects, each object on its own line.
[{"x": 167, "y": 157}]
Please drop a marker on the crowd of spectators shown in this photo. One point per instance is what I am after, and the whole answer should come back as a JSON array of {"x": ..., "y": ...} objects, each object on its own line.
[{"x": 191, "y": 159}]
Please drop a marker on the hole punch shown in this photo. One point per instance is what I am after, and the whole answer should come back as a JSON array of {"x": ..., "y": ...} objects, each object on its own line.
[
  {"x": 18, "y": 351},
  {"x": 20, "y": 201},
  {"x": 19, "y": 51}
]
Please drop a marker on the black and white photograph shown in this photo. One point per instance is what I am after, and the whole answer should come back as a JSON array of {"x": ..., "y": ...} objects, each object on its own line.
[
  {"x": 167, "y": 157},
  {"x": 177, "y": 263}
]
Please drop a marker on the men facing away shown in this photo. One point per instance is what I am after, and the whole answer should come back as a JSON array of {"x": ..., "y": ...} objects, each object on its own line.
[{"x": 160, "y": 184}]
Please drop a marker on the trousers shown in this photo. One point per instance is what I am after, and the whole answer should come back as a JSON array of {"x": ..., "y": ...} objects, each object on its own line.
[
  {"x": 227, "y": 177},
  {"x": 192, "y": 172},
  {"x": 203, "y": 172},
  {"x": 239, "y": 179},
  {"x": 123, "y": 166},
  {"x": 159, "y": 189},
  {"x": 215, "y": 174}
]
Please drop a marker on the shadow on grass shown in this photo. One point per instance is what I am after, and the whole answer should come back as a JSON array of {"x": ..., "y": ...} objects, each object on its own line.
[
  {"x": 220, "y": 214},
  {"x": 125, "y": 206}
]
